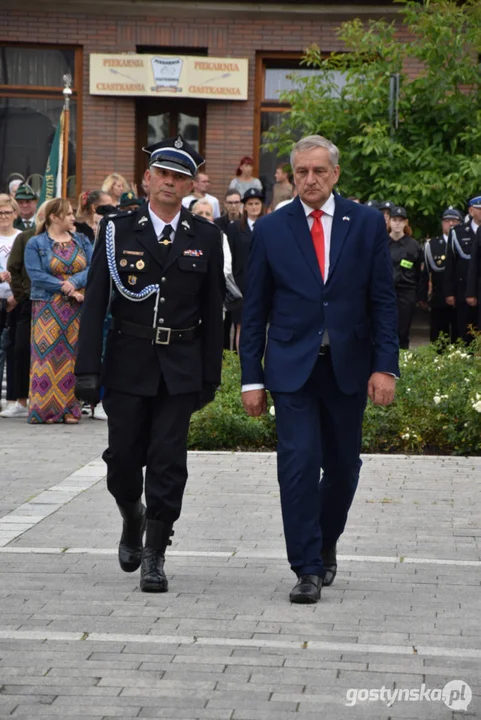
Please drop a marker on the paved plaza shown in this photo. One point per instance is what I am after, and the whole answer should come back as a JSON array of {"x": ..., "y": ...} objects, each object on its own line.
[{"x": 79, "y": 640}]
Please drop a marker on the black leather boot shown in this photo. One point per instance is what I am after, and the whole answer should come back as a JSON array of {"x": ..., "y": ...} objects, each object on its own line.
[
  {"x": 157, "y": 538},
  {"x": 130, "y": 546}
]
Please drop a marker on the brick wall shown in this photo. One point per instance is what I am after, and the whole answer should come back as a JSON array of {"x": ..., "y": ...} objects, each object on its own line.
[{"x": 108, "y": 124}]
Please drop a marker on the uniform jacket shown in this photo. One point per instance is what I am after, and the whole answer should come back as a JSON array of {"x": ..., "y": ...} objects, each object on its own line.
[
  {"x": 20, "y": 282},
  {"x": 240, "y": 238},
  {"x": 356, "y": 305},
  {"x": 473, "y": 286},
  {"x": 435, "y": 251},
  {"x": 456, "y": 275},
  {"x": 192, "y": 291},
  {"x": 19, "y": 223},
  {"x": 38, "y": 255},
  {"x": 406, "y": 257}
]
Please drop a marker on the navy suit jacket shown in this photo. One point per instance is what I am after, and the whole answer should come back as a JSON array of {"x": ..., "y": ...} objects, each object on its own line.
[{"x": 285, "y": 289}]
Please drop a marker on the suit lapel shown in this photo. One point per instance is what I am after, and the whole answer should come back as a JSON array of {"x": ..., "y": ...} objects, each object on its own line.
[
  {"x": 297, "y": 222},
  {"x": 183, "y": 237},
  {"x": 341, "y": 224}
]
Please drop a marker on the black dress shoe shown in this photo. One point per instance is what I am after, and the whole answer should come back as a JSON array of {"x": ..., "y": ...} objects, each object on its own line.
[
  {"x": 306, "y": 590},
  {"x": 329, "y": 560},
  {"x": 130, "y": 546},
  {"x": 152, "y": 575}
]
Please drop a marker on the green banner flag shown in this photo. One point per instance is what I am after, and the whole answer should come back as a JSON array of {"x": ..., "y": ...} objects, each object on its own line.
[{"x": 52, "y": 181}]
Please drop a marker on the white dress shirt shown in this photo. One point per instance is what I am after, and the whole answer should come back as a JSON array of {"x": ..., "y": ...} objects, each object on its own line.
[
  {"x": 326, "y": 220},
  {"x": 474, "y": 226},
  {"x": 251, "y": 224},
  {"x": 159, "y": 224}
]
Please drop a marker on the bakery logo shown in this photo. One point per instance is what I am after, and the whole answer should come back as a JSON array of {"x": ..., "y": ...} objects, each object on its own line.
[{"x": 167, "y": 72}]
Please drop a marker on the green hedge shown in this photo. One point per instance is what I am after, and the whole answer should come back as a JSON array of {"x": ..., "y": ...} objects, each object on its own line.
[{"x": 437, "y": 409}]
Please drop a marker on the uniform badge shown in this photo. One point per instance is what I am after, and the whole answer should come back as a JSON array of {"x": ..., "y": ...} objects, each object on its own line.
[
  {"x": 123, "y": 262},
  {"x": 143, "y": 220},
  {"x": 132, "y": 279},
  {"x": 185, "y": 224},
  {"x": 178, "y": 143},
  {"x": 346, "y": 218},
  {"x": 443, "y": 257},
  {"x": 193, "y": 253},
  {"x": 439, "y": 262},
  {"x": 140, "y": 264}
]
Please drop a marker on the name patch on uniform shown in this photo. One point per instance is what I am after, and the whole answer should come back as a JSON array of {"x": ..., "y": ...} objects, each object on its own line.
[
  {"x": 132, "y": 252},
  {"x": 406, "y": 264},
  {"x": 193, "y": 253}
]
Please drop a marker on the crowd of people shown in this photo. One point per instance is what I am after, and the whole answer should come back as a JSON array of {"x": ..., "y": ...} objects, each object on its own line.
[{"x": 45, "y": 253}]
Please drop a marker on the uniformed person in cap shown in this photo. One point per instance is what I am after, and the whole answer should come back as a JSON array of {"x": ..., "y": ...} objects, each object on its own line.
[
  {"x": 27, "y": 204},
  {"x": 473, "y": 286},
  {"x": 460, "y": 242},
  {"x": 442, "y": 316},
  {"x": 128, "y": 201},
  {"x": 240, "y": 238},
  {"x": 386, "y": 207},
  {"x": 406, "y": 256},
  {"x": 164, "y": 267}
]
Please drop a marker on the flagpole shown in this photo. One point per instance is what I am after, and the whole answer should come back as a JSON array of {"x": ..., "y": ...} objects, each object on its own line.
[{"x": 67, "y": 92}]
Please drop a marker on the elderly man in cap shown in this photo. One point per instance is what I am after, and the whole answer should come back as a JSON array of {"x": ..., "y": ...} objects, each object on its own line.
[
  {"x": 460, "y": 243},
  {"x": 27, "y": 203},
  {"x": 164, "y": 351},
  {"x": 443, "y": 316}
]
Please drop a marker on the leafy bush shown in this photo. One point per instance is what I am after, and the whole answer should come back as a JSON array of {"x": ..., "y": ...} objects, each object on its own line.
[{"x": 437, "y": 409}]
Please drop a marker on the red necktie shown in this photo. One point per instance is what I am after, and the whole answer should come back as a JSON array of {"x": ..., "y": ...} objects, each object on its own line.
[{"x": 317, "y": 232}]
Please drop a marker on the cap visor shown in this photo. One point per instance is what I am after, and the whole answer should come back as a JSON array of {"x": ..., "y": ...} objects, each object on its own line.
[{"x": 169, "y": 165}]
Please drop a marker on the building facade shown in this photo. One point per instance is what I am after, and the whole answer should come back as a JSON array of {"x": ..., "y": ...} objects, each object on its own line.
[{"x": 38, "y": 45}]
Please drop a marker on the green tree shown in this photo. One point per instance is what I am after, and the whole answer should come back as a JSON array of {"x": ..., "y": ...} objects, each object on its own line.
[{"x": 433, "y": 158}]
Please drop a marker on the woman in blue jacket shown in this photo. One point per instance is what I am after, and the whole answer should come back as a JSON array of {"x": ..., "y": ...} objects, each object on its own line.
[{"x": 57, "y": 262}]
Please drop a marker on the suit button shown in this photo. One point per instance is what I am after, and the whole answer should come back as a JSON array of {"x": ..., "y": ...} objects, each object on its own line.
[
  {"x": 161, "y": 321},
  {"x": 162, "y": 300},
  {"x": 163, "y": 279},
  {"x": 194, "y": 265},
  {"x": 325, "y": 304}
]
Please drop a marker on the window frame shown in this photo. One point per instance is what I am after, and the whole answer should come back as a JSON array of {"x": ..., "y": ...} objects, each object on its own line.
[{"x": 44, "y": 92}]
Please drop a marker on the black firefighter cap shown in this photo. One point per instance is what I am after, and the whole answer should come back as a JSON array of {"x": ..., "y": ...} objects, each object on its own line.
[
  {"x": 253, "y": 193},
  {"x": 175, "y": 154}
]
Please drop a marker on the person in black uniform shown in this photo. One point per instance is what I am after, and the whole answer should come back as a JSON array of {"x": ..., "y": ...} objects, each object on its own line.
[
  {"x": 239, "y": 235},
  {"x": 164, "y": 351},
  {"x": 473, "y": 286},
  {"x": 406, "y": 256},
  {"x": 460, "y": 242},
  {"x": 443, "y": 316}
]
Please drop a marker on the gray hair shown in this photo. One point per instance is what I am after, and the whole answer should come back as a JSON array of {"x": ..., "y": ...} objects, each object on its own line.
[
  {"x": 202, "y": 202},
  {"x": 315, "y": 141}
]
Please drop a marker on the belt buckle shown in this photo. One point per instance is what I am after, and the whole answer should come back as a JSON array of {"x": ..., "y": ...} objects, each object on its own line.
[{"x": 158, "y": 332}]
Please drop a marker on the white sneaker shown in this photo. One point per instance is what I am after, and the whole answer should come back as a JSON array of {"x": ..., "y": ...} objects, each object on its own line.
[
  {"x": 99, "y": 413},
  {"x": 15, "y": 410}
]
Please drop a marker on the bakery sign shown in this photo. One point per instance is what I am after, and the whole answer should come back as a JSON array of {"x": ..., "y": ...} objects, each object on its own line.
[{"x": 169, "y": 75}]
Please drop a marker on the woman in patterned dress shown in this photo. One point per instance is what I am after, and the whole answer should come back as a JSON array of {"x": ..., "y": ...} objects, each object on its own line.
[{"x": 57, "y": 262}]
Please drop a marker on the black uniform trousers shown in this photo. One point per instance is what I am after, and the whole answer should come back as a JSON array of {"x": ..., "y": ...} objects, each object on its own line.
[
  {"x": 151, "y": 432},
  {"x": 406, "y": 305},
  {"x": 22, "y": 349},
  {"x": 443, "y": 320},
  {"x": 465, "y": 316}
]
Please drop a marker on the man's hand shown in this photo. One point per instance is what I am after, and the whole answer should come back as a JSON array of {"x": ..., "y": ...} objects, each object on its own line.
[
  {"x": 472, "y": 301},
  {"x": 381, "y": 388},
  {"x": 451, "y": 300},
  {"x": 255, "y": 402},
  {"x": 206, "y": 396},
  {"x": 87, "y": 389}
]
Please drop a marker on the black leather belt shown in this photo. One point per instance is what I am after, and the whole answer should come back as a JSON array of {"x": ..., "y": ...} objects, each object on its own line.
[
  {"x": 325, "y": 350},
  {"x": 158, "y": 335}
]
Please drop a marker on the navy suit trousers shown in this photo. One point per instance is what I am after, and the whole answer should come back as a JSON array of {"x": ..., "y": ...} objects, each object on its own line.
[{"x": 318, "y": 427}]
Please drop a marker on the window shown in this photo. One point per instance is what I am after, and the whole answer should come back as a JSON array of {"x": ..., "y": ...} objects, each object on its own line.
[
  {"x": 275, "y": 74},
  {"x": 31, "y": 101}
]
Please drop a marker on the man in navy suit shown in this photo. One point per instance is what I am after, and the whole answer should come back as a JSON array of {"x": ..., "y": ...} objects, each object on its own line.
[{"x": 320, "y": 279}]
